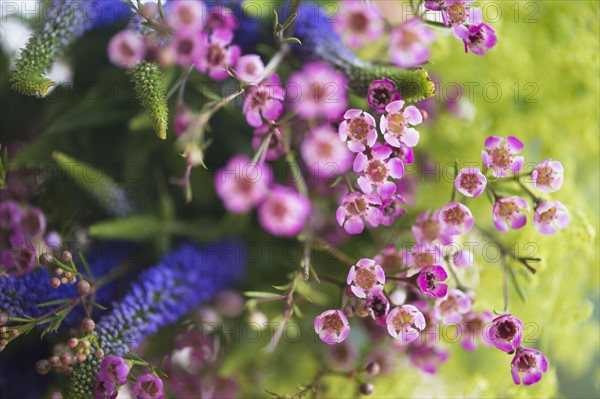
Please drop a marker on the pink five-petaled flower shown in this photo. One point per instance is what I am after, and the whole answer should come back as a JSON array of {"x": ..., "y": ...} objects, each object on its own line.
[
  {"x": 332, "y": 326},
  {"x": 429, "y": 229},
  {"x": 318, "y": 91},
  {"x": 425, "y": 254},
  {"x": 187, "y": 46},
  {"x": 455, "y": 218},
  {"x": 409, "y": 43},
  {"x": 510, "y": 211},
  {"x": 404, "y": 323},
  {"x": 186, "y": 15},
  {"x": 375, "y": 170},
  {"x": 264, "y": 101},
  {"x": 250, "y": 68},
  {"x": 452, "y": 307},
  {"x": 358, "y": 128},
  {"x": 358, "y": 22},
  {"x": 126, "y": 49},
  {"x": 381, "y": 93},
  {"x": 324, "y": 154},
  {"x": 470, "y": 182},
  {"x": 548, "y": 176},
  {"x": 550, "y": 216},
  {"x": 105, "y": 386},
  {"x": 358, "y": 208},
  {"x": 364, "y": 277},
  {"x": 428, "y": 357},
  {"x": 501, "y": 158},
  {"x": 284, "y": 212},
  {"x": 473, "y": 327},
  {"x": 427, "y": 279},
  {"x": 378, "y": 305},
  {"x": 242, "y": 184},
  {"x": 395, "y": 124},
  {"x": 505, "y": 333},
  {"x": 148, "y": 386},
  {"x": 477, "y": 36},
  {"x": 218, "y": 53},
  {"x": 391, "y": 207},
  {"x": 221, "y": 18},
  {"x": 531, "y": 363},
  {"x": 114, "y": 367},
  {"x": 456, "y": 12}
]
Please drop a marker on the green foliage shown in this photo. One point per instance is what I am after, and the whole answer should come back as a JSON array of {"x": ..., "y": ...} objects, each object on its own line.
[
  {"x": 149, "y": 88},
  {"x": 413, "y": 84}
]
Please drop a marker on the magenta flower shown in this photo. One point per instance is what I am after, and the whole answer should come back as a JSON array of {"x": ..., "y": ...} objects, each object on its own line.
[
  {"x": 183, "y": 120},
  {"x": 358, "y": 128},
  {"x": 221, "y": 18},
  {"x": 148, "y": 386},
  {"x": 470, "y": 182},
  {"x": 428, "y": 357},
  {"x": 33, "y": 222},
  {"x": 358, "y": 209},
  {"x": 284, "y": 212},
  {"x": 548, "y": 176},
  {"x": 434, "y": 5},
  {"x": 392, "y": 209},
  {"x": 250, "y": 68},
  {"x": 318, "y": 91},
  {"x": 10, "y": 214},
  {"x": 105, "y": 386},
  {"x": 376, "y": 169},
  {"x": 404, "y": 152},
  {"x": 429, "y": 229},
  {"x": 116, "y": 367},
  {"x": 332, "y": 327},
  {"x": 324, "y": 154},
  {"x": 425, "y": 254},
  {"x": 275, "y": 148},
  {"x": 473, "y": 327},
  {"x": 18, "y": 257},
  {"x": 378, "y": 305},
  {"x": 505, "y": 333},
  {"x": 409, "y": 43},
  {"x": 404, "y": 323},
  {"x": 510, "y": 211},
  {"x": 428, "y": 280},
  {"x": 364, "y": 277},
  {"x": 457, "y": 12},
  {"x": 550, "y": 216},
  {"x": 455, "y": 218},
  {"x": 452, "y": 307},
  {"x": 358, "y": 22},
  {"x": 126, "y": 49},
  {"x": 501, "y": 158},
  {"x": 395, "y": 125},
  {"x": 188, "y": 46},
  {"x": 264, "y": 101},
  {"x": 219, "y": 52},
  {"x": 186, "y": 15},
  {"x": 242, "y": 184},
  {"x": 530, "y": 364},
  {"x": 477, "y": 36},
  {"x": 381, "y": 93}
]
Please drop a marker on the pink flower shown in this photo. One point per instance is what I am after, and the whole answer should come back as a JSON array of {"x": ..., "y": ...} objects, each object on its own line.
[
  {"x": 358, "y": 208},
  {"x": 428, "y": 357},
  {"x": 183, "y": 120},
  {"x": 530, "y": 363},
  {"x": 456, "y": 12},
  {"x": 358, "y": 22},
  {"x": 455, "y": 218},
  {"x": 477, "y": 36},
  {"x": 548, "y": 176},
  {"x": 403, "y": 152},
  {"x": 409, "y": 43},
  {"x": 550, "y": 216},
  {"x": 501, "y": 158},
  {"x": 148, "y": 386},
  {"x": 324, "y": 153},
  {"x": 221, "y": 18},
  {"x": 358, "y": 128},
  {"x": 250, "y": 68},
  {"x": 510, "y": 211},
  {"x": 404, "y": 323},
  {"x": 332, "y": 327},
  {"x": 378, "y": 305},
  {"x": 188, "y": 46},
  {"x": 425, "y": 254},
  {"x": 242, "y": 184},
  {"x": 126, "y": 49},
  {"x": 284, "y": 212},
  {"x": 463, "y": 259},
  {"x": 275, "y": 147},
  {"x": 381, "y": 93},
  {"x": 505, "y": 333},
  {"x": 375, "y": 170},
  {"x": 391, "y": 207},
  {"x": 365, "y": 277},
  {"x": 427, "y": 281},
  {"x": 318, "y": 91},
  {"x": 264, "y": 101},
  {"x": 470, "y": 182},
  {"x": 391, "y": 259},
  {"x": 219, "y": 52},
  {"x": 395, "y": 124},
  {"x": 429, "y": 229},
  {"x": 186, "y": 15},
  {"x": 473, "y": 327},
  {"x": 115, "y": 367},
  {"x": 452, "y": 307}
]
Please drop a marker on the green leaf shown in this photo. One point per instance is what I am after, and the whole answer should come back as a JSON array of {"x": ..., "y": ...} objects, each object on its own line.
[
  {"x": 292, "y": 40},
  {"x": 52, "y": 303},
  {"x": 284, "y": 287},
  {"x": 259, "y": 294},
  {"x": 135, "y": 228},
  {"x": 97, "y": 305}
]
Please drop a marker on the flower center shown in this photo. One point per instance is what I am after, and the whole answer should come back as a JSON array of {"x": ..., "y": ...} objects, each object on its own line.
[
  {"x": 469, "y": 181},
  {"x": 506, "y": 208},
  {"x": 126, "y": 50},
  {"x": 544, "y": 176},
  {"x": 186, "y": 16},
  {"x": 447, "y": 305},
  {"x": 506, "y": 330},
  {"x": 333, "y": 323},
  {"x": 457, "y": 13},
  {"x": 430, "y": 230},
  {"x": 356, "y": 207},
  {"x": 358, "y": 21},
  {"x": 359, "y": 129},
  {"x": 216, "y": 56},
  {"x": 381, "y": 96},
  {"x": 500, "y": 157},
  {"x": 377, "y": 171},
  {"x": 325, "y": 150},
  {"x": 454, "y": 215},
  {"x": 526, "y": 362},
  {"x": 396, "y": 123},
  {"x": 548, "y": 215},
  {"x": 423, "y": 259},
  {"x": 280, "y": 210},
  {"x": 378, "y": 306},
  {"x": 185, "y": 47},
  {"x": 430, "y": 280},
  {"x": 364, "y": 278}
]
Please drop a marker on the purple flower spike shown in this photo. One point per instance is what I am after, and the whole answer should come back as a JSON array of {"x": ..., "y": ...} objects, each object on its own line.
[
  {"x": 365, "y": 277},
  {"x": 500, "y": 158},
  {"x": 550, "y": 217},
  {"x": 381, "y": 93},
  {"x": 470, "y": 182},
  {"x": 428, "y": 278},
  {"x": 404, "y": 323},
  {"x": 332, "y": 327},
  {"x": 396, "y": 124},
  {"x": 530, "y": 364},
  {"x": 510, "y": 211},
  {"x": 358, "y": 209},
  {"x": 358, "y": 128},
  {"x": 548, "y": 176},
  {"x": 148, "y": 386},
  {"x": 505, "y": 333},
  {"x": 455, "y": 218}
]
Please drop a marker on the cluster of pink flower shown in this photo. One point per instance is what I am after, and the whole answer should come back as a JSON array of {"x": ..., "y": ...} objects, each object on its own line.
[{"x": 113, "y": 373}]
